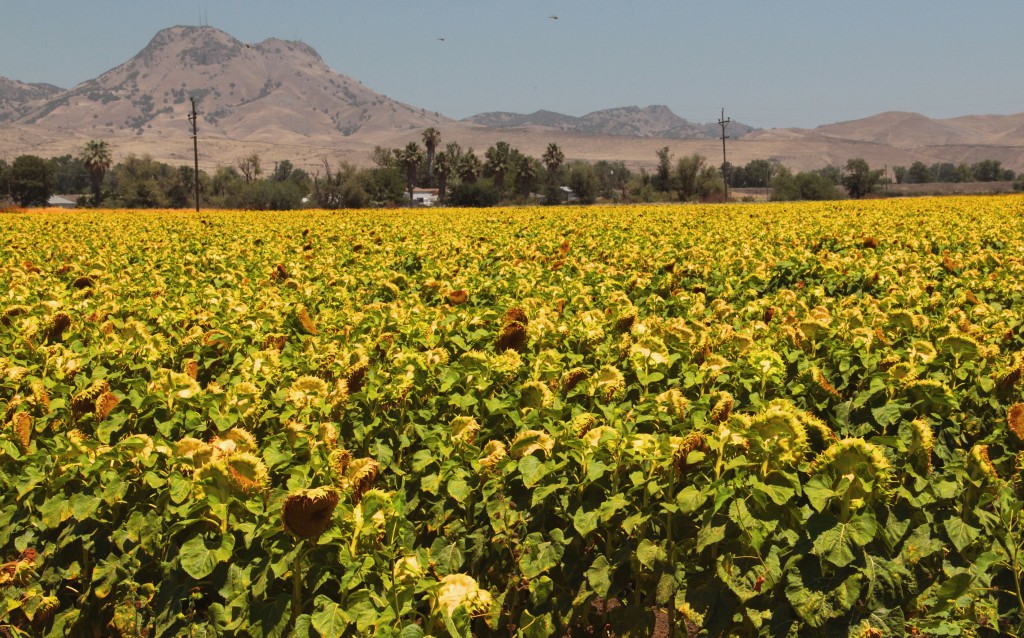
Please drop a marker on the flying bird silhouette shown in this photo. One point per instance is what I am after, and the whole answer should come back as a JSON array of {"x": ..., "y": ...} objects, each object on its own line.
[
  {"x": 553, "y": 17},
  {"x": 441, "y": 39}
]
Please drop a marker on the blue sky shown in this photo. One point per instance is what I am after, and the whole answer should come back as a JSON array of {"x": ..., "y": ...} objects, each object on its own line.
[{"x": 767, "y": 62}]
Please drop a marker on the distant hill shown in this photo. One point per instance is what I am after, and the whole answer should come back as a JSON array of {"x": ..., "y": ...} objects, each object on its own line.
[
  {"x": 18, "y": 98},
  {"x": 280, "y": 99},
  {"x": 628, "y": 121},
  {"x": 245, "y": 91}
]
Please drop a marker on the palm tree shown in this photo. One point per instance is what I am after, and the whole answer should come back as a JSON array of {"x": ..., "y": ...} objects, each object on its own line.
[
  {"x": 431, "y": 138},
  {"x": 410, "y": 158},
  {"x": 469, "y": 168},
  {"x": 553, "y": 158},
  {"x": 444, "y": 166},
  {"x": 526, "y": 169},
  {"x": 498, "y": 162},
  {"x": 96, "y": 157}
]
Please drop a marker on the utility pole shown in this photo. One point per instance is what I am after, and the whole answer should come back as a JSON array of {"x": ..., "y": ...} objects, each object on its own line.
[
  {"x": 195, "y": 146},
  {"x": 724, "y": 122}
]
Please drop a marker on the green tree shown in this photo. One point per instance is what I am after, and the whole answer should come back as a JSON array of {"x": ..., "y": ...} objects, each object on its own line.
[
  {"x": 68, "y": 174},
  {"x": 480, "y": 193},
  {"x": 987, "y": 171},
  {"x": 583, "y": 181},
  {"x": 900, "y": 174},
  {"x": 662, "y": 180},
  {"x": 526, "y": 169},
  {"x": 97, "y": 159},
  {"x": 497, "y": 163},
  {"x": 431, "y": 138},
  {"x": 410, "y": 158},
  {"x": 919, "y": 173},
  {"x": 695, "y": 180},
  {"x": 553, "y": 158},
  {"x": 29, "y": 181},
  {"x": 469, "y": 167},
  {"x": 859, "y": 179}
]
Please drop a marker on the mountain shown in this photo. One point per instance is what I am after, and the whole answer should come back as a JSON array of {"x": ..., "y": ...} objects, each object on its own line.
[
  {"x": 630, "y": 121},
  {"x": 244, "y": 91},
  {"x": 18, "y": 98},
  {"x": 278, "y": 98}
]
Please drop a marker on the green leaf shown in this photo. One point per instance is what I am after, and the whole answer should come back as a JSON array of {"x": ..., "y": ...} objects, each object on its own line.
[
  {"x": 329, "y": 619},
  {"x": 887, "y": 414},
  {"x": 648, "y": 553},
  {"x": 584, "y": 522},
  {"x": 599, "y": 576},
  {"x": 539, "y": 556},
  {"x": 458, "y": 489},
  {"x": 836, "y": 544},
  {"x": 960, "y": 533},
  {"x": 709, "y": 535},
  {"x": 819, "y": 493},
  {"x": 199, "y": 560},
  {"x": 532, "y": 470},
  {"x": 690, "y": 499}
]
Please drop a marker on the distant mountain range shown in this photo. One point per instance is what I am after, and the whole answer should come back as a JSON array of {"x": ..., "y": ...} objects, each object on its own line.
[
  {"x": 628, "y": 121},
  {"x": 279, "y": 98}
]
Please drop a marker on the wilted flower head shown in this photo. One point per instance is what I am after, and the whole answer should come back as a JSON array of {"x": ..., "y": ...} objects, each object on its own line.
[
  {"x": 306, "y": 391},
  {"x": 493, "y": 453},
  {"x": 609, "y": 384},
  {"x": 781, "y": 431},
  {"x": 307, "y": 513},
  {"x": 529, "y": 441},
  {"x": 535, "y": 395},
  {"x": 460, "y": 590},
  {"x": 859, "y": 462},
  {"x": 672, "y": 402},
  {"x": 464, "y": 429}
]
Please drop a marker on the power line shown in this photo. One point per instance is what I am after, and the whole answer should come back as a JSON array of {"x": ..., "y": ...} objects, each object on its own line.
[{"x": 723, "y": 122}]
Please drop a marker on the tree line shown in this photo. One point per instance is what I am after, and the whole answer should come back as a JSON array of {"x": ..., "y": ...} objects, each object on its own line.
[{"x": 461, "y": 177}]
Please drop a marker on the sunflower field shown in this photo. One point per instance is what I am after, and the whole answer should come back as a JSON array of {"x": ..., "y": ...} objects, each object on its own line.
[{"x": 731, "y": 420}]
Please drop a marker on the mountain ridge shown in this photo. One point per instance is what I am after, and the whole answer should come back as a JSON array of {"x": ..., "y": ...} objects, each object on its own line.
[{"x": 281, "y": 99}]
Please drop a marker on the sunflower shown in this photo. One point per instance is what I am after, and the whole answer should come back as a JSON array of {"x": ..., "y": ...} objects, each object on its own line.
[
  {"x": 307, "y": 513},
  {"x": 464, "y": 429},
  {"x": 861, "y": 465},
  {"x": 529, "y": 441},
  {"x": 246, "y": 472},
  {"x": 1015, "y": 420},
  {"x": 493, "y": 453},
  {"x": 460, "y": 590},
  {"x": 359, "y": 477},
  {"x": 672, "y": 402},
  {"x": 609, "y": 384},
  {"x": 306, "y": 391},
  {"x": 534, "y": 395}
]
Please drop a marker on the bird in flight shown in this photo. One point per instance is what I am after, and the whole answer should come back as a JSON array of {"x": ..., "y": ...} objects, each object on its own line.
[{"x": 552, "y": 17}]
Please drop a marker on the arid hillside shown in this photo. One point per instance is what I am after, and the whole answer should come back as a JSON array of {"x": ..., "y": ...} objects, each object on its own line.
[{"x": 280, "y": 99}]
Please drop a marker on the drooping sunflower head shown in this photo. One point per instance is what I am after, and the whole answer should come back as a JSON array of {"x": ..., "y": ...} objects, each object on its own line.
[
  {"x": 246, "y": 472},
  {"x": 721, "y": 407},
  {"x": 338, "y": 460},
  {"x": 609, "y": 384},
  {"x": 779, "y": 428},
  {"x": 1015, "y": 420},
  {"x": 961, "y": 346},
  {"x": 531, "y": 441},
  {"x": 307, "y": 513},
  {"x": 306, "y": 391},
  {"x": 920, "y": 446},
  {"x": 464, "y": 428},
  {"x": 582, "y": 423},
  {"x": 492, "y": 454},
  {"x": 819, "y": 434},
  {"x": 21, "y": 425},
  {"x": 512, "y": 336},
  {"x": 199, "y": 452},
  {"x": 573, "y": 377},
  {"x": 673, "y": 403},
  {"x": 534, "y": 395},
  {"x": 460, "y": 590},
  {"x": 862, "y": 465},
  {"x": 980, "y": 466},
  {"x": 304, "y": 321},
  {"x": 359, "y": 476},
  {"x": 504, "y": 366}
]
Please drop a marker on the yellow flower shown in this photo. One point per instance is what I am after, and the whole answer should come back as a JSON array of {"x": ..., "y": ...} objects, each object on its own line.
[{"x": 460, "y": 590}]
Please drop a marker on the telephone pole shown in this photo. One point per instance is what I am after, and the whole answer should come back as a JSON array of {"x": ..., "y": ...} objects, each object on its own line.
[
  {"x": 724, "y": 122},
  {"x": 195, "y": 147}
]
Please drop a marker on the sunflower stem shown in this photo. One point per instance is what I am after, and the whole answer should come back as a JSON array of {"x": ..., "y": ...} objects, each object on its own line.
[{"x": 297, "y": 586}]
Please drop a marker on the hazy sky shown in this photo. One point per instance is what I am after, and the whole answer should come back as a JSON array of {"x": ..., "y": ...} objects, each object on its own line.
[{"x": 767, "y": 62}]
